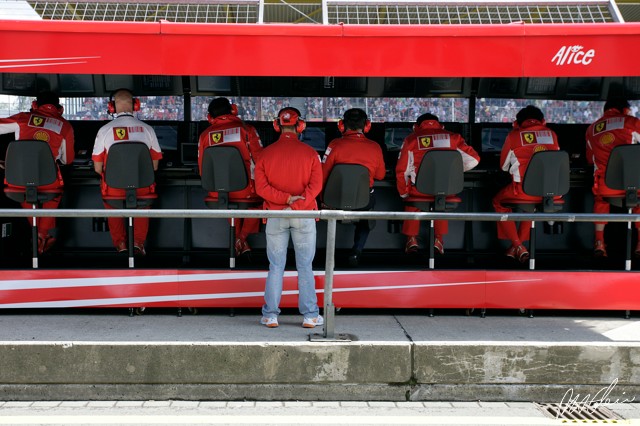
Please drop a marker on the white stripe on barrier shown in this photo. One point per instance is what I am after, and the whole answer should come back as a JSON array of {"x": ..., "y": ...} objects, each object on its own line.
[
  {"x": 141, "y": 301},
  {"x": 148, "y": 279}
]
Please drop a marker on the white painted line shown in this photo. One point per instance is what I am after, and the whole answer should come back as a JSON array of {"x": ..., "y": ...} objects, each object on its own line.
[{"x": 283, "y": 420}]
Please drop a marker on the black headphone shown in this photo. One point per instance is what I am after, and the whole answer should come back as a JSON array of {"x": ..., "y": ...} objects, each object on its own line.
[{"x": 111, "y": 106}]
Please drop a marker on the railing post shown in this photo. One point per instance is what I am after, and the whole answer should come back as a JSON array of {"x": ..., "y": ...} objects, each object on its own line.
[{"x": 329, "y": 309}]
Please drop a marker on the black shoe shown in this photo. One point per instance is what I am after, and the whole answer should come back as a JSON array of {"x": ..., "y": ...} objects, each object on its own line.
[{"x": 354, "y": 258}]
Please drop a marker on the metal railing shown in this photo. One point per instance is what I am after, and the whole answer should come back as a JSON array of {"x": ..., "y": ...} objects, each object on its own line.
[{"x": 331, "y": 216}]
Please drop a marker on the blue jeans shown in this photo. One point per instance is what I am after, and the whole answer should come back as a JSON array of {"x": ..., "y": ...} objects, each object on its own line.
[{"x": 303, "y": 235}]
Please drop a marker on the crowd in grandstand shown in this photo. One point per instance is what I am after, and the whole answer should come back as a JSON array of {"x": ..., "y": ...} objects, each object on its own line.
[{"x": 488, "y": 110}]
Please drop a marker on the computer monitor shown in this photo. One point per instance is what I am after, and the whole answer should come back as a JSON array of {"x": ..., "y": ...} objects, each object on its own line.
[
  {"x": 189, "y": 154},
  {"x": 492, "y": 138},
  {"x": 213, "y": 84},
  {"x": 167, "y": 136},
  {"x": 394, "y": 137},
  {"x": 15, "y": 83},
  {"x": 72, "y": 84},
  {"x": 315, "y": 138}
]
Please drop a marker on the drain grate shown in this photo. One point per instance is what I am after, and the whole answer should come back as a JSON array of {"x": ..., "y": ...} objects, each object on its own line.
[{"x": 579, "y": 412}]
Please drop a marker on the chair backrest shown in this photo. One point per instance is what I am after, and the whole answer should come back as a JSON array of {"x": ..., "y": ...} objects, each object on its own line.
[
  {"x": 347, "y": 187},
  {"x": 441, "y": 173},
  {"x": 30, "y": 162},
  {"x": 223, "y": 169},
  {"x": 623, "y": 172},
  {"x": 129, "y": 166},
  {"x": 547, "y": 174}
]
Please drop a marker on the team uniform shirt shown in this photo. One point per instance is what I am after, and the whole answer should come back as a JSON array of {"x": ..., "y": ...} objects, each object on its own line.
[
  {"x": 44, "y": 123},
  {"x": 430, "y": 135},
  {"x": 612, "y": 129},
  {"x": 609, "y": 131},
  {"x": 229, "y": 130},
  {"x": 354, "y": 148},
  {"x": 286, "y": 168},
  {"x": 520, "y": 145},
  {"x": 122, "y": 129}
]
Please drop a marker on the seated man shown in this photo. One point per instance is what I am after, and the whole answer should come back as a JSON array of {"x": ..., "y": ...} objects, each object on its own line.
[
  {"x": 354, "y": 148},
  {"x": 616, "y": 127},
  {"x": 44, "y": 122},
  {"x": 427, "y": 134},
  {"x": 227, "y": 129},
  {"x": 124, "y": 128},
  {"x": 529, "y": 135}
]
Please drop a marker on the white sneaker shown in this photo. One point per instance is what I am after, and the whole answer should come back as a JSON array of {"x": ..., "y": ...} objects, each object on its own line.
[
  {"x": 312, "y": 322},
  {"x": 269, "y": 322}
]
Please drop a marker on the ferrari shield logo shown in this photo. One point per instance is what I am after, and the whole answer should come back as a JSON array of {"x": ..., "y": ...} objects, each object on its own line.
[
  {"x": 216, "y": 137},
  {"x": 424, "y": 141},
  {"x": 529, "y": 138},
  {"x": 120, "y": 133},
  {"x": 36, "y": 121},
  {"x": 600, "y": 126}
]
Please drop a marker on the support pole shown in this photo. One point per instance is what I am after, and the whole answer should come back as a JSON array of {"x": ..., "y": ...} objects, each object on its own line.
[{"x": 329, "y": 309}]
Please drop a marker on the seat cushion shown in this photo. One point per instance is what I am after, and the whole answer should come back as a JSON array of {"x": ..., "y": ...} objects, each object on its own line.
[
  {"x": 19, "y": 194},
  {"x": 234, "y": 203},
  {"x": 118, "y": 202},
  {"x": 532, "y": 204},
  {"x": 425, "y": 203}
]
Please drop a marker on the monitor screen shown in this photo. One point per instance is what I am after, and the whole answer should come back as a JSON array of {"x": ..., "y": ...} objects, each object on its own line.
[
  {"x": 450, "y": 85},
  {"x": 584, "y": 86},
  {"x": 350, "y": 86},
  {"x": 498, "y": 87},
  {"x": 394, "y": 137},
  {"x": 541, "y": 86},
  {"x": 146, "y": 84},
  {"x": 76, "y": 83},
  {"x": 399, "y": 86},
  {"x": 13, "y": 82},
  {"x": 167, "y": 136},
  {"x": 115, "y": 82},
  {"x": 213, "y": 84},
  {"x": 493, "y": 138},
  {"x": 189, "y": 154},
  {"x": 632, "y": 86},
  {"x": 315, "y": 138}
]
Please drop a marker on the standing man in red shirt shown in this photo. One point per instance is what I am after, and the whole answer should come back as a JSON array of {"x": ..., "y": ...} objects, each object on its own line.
[
  {"x": 229, "y": 130},
  {"x": 289, "y": 177},
  {"x": 615, "y": 127},
  {"x": 354, "y": 148},
  {"x": 124, "y": 128},
  {"x": 44, "y": 122},
  {"x": 427, "y": 134},
  {"x": 529, "y": 135}
]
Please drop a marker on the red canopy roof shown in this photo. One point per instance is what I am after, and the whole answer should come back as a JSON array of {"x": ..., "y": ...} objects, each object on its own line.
[{"x": 167, "y": 48}]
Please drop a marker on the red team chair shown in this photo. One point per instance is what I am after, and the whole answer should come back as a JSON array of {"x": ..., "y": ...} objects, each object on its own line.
[
  {"x": 623, "y": 174},
  {"x": 440, "y": 178},
  {"x": 129, "y": 168},
  {"x": 546, "y": 180},
  {"x": 224, "y": 171},
  {"x": 29, "y": 164}
]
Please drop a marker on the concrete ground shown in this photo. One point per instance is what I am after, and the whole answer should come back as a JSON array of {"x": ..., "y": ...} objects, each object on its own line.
[
  {"x": 294, "y": 412},
  {"x": 93, "y": 355}
]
